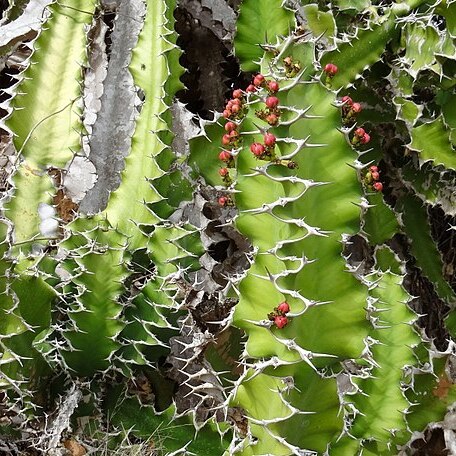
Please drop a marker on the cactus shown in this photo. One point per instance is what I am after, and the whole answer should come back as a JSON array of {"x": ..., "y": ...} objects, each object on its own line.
[{"x": 311, "y": 344}]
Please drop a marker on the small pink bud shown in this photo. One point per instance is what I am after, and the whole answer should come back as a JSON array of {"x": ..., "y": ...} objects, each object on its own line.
[
  {"x": 356, "y": 107},
  {"x": 272, "y": 102},
  {"x": 229, "y": 105},
  {"x": 347, "y": 100},
  {"x": 234, "y": 134},
  {"x": 375, "y": 175},
  {"x": 273, "y": 86},
  {"x": 378, "y": 186},
  {"x": 269, "y": 140},
  {"x": 223, "y": 172},
  {"x": 235, "y": 109},
  {"x": 223, "y": 200},
  {"x": 360, "y": 132},
  {"x": 236, "y": 102},
  {"x": 237, "y": 93},
  {"x": 227, "y": 113},
  {"x": 225, "y": 156},
  {"x": 226, "y": 139},
  {"x": 283, "y": 307},
  {"x": 272, "y": 119},
  {"x": 230, "y": 126},
  {"x": 373, "y": 169},
  {"x": 257, "y": 149},
  {"x": 331, "y": 69},
  {"x": 251, "y": 88},
  {"x": 280, "y": 321},
  {"x": 258, "y": 80},
  {"x": 365, "y": 139}
]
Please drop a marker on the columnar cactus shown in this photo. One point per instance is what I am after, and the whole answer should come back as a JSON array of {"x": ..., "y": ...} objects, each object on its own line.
[{"x": 328, "y": 173}]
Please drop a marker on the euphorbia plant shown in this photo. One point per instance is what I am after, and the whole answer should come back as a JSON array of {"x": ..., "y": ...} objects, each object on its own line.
[{"x": 325, "y": 174}]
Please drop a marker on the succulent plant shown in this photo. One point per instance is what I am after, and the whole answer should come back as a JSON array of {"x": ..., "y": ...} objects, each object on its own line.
[{"x": 329, "y": 168}]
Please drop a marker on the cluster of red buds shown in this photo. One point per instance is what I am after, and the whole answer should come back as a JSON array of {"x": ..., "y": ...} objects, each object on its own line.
[
  {"x": 372, "y": 179},
  {"x": 360, "y": 137},
  {"x": 279, "y": 315},
  {"x": 292, "y": 67},
  {"x": 225, "y": 201},
  {"x": 264, "y": 151},
  {"x": 349, "y": 110},
  {"x": 235, "y": 108},
  {"x": 272, "y": 113},
  {"x": 330, "y": 71}
]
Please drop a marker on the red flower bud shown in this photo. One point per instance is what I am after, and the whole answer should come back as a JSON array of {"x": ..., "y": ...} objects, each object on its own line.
[
  {"x": 360, "y": 132},
  {"x": 269, "y": 140},
  {"x": 283, "y": 307},
  {"x": 273, "y": 86},
  {"x": 347, "y": 100},
  {"x": 223, "y": 172},
  {"x": 235, "y": 109},
  {"x": 365, "y": 139},
  {"x": 272, "y": 102},
  {"x": 225, "y": 156},
  {"x": 227, "y": 113},
  {"x": 251, "y": 88},
  {"x": 257, "y": 149},
  {"x": 237, "y": 93},
  {"x": 373, "y": 169},
  {"x": 378, "y": 186},
  {"x": 375, "y": 175},
  {"x": 223, "y": 200},
  {"x": 280, "y": 321},
  {"x": 236, "y": 102},
  {"x": 356, "y": 107},
  {"x": 226, "y": 139},
  {"x": 272, "y": 119},
  {"x": 233, "y": 134},
  {"x": 331, "y": 69},
  {"x": 258, "y": 80},
  {"x": 230, "y": 126}
]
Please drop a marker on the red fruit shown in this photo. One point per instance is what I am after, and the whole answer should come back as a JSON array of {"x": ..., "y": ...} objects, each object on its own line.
[
  {"x": 347, "y": 100},
  {"x": 257, "y": 149},
  {"x": 235, "y": 109},
  {"x": 283, "y": 307},
  {"x": 272, "y": 119},
  {"x": 378, "y": 186},
  {"x": 281, "y": 321},
  {"x": 365, "y": 139},
  {"x": 237, "y": 93},
  {"x": 373, "y": 169},
  {"x": 331, "y": 69},
  {"x": 233, "y": 134},
  {"x": 227, "y": 113},
  {"x": 269, "y": 140},
  {"x": 272, "y": 102},
  {"x": 223, "y": 172},
  {"x": 251, "y": 88},
  {"x": 225, "y": 156},
  {"x": 223, "y": 200},
  {"x": 230, "y": 126},
  {"x": 258, "y": 80},
  {"x": 360, "y": 132},
  {"x": 226, "y": 139},
  {"x": 236, "y": 102},
  {"x": 273, "y": 86},
  {"x": 375, "y": 176},
  {"x": 229, "y": 105},
  {"x": 356, "y": 107}
]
